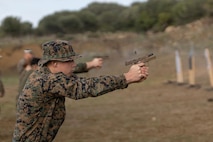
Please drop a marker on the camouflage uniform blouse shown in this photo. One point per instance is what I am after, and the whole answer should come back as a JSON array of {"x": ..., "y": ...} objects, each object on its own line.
[{"x": 41, "y": 108}]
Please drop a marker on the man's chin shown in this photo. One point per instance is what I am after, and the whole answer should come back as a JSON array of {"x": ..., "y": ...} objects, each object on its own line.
[{"x": 69, "y": 74}]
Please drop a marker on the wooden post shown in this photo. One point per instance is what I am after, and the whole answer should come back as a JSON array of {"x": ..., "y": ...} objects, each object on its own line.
[
  {"x": 178, "y": 68},
  {"x": 209, "y": 66},
  {"x": 191, "y": 68}
]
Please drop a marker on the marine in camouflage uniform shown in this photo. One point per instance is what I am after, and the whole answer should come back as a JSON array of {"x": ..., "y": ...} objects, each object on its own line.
[{"x": 41, "y": 105}]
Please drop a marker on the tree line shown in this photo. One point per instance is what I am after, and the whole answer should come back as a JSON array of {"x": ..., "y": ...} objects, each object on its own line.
[{"x": 152, "y": 15}]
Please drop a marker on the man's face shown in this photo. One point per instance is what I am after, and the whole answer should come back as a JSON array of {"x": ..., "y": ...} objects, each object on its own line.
[{"x": 66, "y": 67}]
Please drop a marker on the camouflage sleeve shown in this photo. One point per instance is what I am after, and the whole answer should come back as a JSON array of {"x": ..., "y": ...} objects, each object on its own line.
[
  {"x": 81, "y": 87},
  {"x": 81, "y": 68},
  {"x": 96, "y": 86}
]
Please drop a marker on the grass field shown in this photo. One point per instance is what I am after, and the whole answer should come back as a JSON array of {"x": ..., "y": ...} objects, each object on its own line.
[{"x": 151, "y": 111}]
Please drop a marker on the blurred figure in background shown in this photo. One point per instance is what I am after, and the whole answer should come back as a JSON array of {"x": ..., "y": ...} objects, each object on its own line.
[{"x": 25, "y": 61}]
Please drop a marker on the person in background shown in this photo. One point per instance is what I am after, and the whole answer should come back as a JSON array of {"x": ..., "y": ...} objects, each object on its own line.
[
  {"x": 41, "y": 104},
  {"x": 25, "y": 61}
]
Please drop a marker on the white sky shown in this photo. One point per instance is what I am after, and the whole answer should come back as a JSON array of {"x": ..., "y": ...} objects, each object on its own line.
[{"x": 34, "y": 10}]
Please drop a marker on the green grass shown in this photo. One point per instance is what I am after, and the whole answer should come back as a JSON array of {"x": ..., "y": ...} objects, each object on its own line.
[{"x": 10, "y": 80}]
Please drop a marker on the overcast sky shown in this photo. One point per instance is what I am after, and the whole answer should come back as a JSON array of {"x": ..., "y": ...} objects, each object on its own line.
[{"x": 34, "y": 10}]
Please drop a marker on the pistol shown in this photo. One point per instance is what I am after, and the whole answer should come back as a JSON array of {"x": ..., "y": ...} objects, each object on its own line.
[{"x": 144, "y": 59}]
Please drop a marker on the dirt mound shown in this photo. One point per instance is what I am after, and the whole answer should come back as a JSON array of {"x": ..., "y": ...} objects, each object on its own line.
[{"x": 191, "y": 31}]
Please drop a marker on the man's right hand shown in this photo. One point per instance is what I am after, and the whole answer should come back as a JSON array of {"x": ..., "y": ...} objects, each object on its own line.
[{"x": 137, "y": 73}]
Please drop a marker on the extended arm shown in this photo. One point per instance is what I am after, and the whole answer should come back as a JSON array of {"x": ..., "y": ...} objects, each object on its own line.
[{"x": 85, "y": 67}]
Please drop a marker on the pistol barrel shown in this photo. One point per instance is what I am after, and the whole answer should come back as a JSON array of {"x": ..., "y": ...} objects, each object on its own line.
[{"x": 145, "y": 59}]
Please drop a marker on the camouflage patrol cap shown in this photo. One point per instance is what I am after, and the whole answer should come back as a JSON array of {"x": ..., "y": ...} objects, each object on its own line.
[{"x": 59, "y": 50}]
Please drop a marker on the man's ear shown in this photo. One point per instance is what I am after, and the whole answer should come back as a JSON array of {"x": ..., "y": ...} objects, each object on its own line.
[{"x": 54, "y": 64}]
